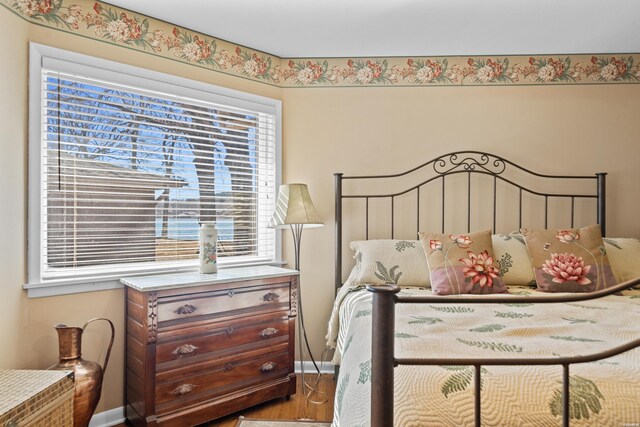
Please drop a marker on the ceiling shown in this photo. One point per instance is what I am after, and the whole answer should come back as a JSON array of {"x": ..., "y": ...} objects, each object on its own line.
[{"x": 339, "y": 28}]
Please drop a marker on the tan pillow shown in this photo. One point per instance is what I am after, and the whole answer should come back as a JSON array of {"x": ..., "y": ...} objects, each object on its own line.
[
  {"x": 624, "y": 257},
  {"x": 390, "y": 261},
  {"x": 569, "y": 260},
  {"x": 512, "y": 259},
  {"x": 462, "y": 263}
]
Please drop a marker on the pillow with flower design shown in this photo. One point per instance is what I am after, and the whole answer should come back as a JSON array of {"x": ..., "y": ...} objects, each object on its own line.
[
  {"x": 569, "y": 260},
  {"x": 462, "y": 263}
]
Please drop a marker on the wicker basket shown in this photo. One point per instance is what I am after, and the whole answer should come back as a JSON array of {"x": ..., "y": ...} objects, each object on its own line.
[{"x": 36, "y": 398}]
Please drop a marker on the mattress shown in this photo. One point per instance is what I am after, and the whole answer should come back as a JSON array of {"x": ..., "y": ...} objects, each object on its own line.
[{"x": 603, "y": 393}]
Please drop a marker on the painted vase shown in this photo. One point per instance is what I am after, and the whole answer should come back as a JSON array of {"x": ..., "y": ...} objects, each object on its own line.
[
  {"x": 208, "y": 248},
  {"x": 88, "y": 375}
]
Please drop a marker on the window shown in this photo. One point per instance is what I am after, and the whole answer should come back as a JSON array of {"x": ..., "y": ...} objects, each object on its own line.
[{"x": 125, "y": 164}]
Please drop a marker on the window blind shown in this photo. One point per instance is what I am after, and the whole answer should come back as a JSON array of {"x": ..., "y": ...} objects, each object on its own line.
[{"x": 129, "y": 174}]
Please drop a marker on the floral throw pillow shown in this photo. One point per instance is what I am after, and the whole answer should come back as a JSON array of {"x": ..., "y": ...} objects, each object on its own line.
[
  {"x": 462, "y": 263},
  {"x": 569, "y": 260}
]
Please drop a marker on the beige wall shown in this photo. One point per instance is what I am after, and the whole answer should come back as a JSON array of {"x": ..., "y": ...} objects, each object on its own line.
[
  {"x": 13, "y": 125},
  {"x": 351, "y": 130}
]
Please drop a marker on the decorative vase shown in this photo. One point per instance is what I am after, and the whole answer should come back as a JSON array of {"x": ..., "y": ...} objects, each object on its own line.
[
  {"x": 88, "y": 375},
  {"x": 208, "y": 248}
]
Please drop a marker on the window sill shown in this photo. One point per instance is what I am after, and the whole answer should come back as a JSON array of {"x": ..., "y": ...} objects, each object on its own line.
[
  {"x": 55, "y": 289},
  {"x": 76, "y": 286}
]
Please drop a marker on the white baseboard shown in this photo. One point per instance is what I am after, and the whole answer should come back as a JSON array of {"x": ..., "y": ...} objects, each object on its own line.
[
  {"x": 108, "y": 418},
  {"x": 325, "y": 367}
]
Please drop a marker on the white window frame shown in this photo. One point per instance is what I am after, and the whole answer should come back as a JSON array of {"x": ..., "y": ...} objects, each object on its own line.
[{"x": 130, "y": 75}]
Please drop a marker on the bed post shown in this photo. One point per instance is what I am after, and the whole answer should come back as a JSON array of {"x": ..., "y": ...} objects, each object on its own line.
[
  {"x": 383, "y": 327},
  {"x": 338, "y": 248},
  {"x": 338, "y": 191},
  {"x": 602, "y": 208}
]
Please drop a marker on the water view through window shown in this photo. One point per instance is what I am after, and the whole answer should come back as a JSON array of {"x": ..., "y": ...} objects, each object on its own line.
[{"x": 131, "y": 174}]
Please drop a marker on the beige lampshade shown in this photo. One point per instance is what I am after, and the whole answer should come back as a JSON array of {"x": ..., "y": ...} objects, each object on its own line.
[{"x": 294, "y": 206}]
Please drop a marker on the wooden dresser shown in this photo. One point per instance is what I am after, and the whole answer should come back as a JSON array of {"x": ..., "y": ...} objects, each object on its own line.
[{"x": 203, "y": 346}]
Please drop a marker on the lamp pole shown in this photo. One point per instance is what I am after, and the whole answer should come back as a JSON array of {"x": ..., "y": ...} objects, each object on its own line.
[
  {"x": 296, "y": 232},
  {"x": 294, "y": 208}
]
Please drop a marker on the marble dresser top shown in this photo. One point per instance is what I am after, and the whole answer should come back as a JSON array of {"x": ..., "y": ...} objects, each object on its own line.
[{"x": 184, "y": 279}]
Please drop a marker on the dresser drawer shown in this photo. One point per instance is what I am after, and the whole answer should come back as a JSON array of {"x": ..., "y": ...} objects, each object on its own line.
[
  {"x": 223, "y": 302},
  {"x": 198, "y": 344},
  {"x": 180, "y": 387}
]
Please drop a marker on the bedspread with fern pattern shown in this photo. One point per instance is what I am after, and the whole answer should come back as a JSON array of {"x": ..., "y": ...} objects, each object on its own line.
[{"x": 604, "y": 393}]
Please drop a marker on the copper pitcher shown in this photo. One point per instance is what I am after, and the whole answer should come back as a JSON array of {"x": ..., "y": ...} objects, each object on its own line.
[{"x": 88, "y": 374}]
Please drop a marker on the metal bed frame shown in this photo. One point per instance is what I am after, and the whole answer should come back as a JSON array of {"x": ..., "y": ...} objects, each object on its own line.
[{"x": 383, "y": 360}]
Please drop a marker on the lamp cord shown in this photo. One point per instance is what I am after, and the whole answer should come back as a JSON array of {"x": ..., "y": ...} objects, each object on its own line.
[{"x": 296, "y": 231}]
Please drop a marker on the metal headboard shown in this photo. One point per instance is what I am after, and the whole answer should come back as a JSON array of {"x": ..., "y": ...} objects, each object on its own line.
[{"x": 469, "y": 163}]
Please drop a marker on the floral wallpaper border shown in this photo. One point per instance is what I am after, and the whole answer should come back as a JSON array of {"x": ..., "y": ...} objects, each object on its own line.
[{"x": 104, "y": 22}]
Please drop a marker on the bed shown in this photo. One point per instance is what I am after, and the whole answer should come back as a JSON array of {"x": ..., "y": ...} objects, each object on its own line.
[{"x": 408, "y": 357}]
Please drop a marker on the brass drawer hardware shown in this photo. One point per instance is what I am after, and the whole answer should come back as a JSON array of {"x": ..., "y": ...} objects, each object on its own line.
[
  {"x": 229, "y": 366},
  {"x": 229, "y": 330},
  {"x": 268, "y": 367},
  {"x": 231, "y": 293},
  {"x": 268, "y": 332},
  {"x": 183, "y": 389},
  {"x": 185, "y": 309},
  {"x": 271, "y": 296},
  {"x": 185, "y": 350}
]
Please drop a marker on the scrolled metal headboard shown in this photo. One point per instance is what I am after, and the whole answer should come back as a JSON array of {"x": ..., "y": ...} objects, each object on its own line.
[{"x": 469, "y": 163}]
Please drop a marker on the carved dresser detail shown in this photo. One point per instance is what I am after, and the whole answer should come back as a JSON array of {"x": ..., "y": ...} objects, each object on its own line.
[{"x": 202, "y": 346}]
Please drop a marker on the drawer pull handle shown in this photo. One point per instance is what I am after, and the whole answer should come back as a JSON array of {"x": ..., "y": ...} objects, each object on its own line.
[
  {"x": 231, "y": 293},
  {"x": 269, "y": 332},
  {"x": 268, "y": 367},
  {"x": 185, "y": 350},
  {"x": 185, "y": 309},
  {"x": 229, "y": 330},
  {"x": 183, "y": 389},
  {"x": 271, "y": 296},
  {"x": 229, "y": 366}
]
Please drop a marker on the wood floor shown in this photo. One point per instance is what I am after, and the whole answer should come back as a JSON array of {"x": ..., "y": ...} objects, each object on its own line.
[{"x": 293, "y": 409}]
